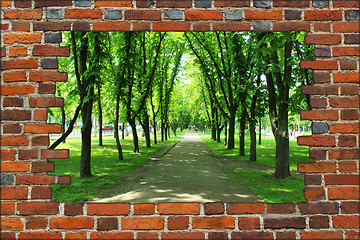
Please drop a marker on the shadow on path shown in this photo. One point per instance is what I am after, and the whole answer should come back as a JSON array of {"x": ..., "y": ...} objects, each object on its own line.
[{"x": 189, "y": 172}]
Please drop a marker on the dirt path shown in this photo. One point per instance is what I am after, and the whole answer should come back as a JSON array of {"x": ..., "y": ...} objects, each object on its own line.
[{"x": 189, "y": 172}]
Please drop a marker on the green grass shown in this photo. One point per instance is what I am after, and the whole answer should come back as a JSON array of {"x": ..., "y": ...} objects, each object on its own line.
[
  {"x": 262, "y": 183},
  {"x": 105, "y": 167}
]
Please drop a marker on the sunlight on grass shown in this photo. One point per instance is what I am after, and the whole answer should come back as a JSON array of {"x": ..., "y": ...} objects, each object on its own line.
[{"x": 105, "y": 166}]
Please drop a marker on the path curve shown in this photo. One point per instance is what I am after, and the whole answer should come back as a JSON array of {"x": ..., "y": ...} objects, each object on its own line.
[{"x": 189, "y": 172}]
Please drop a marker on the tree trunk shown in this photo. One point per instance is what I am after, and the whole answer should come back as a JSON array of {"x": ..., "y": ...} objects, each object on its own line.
[
  {"x": 242, "y": 138},
  {"x": 168, "y": 130},
  {"x": 154, "y": 126},
  {"x": 217, "y": 126},
  {"x": 146, "y": 127},
  {"x": 162, "y": 129},
  {"x": 135, "y": 136},
  {"x": 85, "y": 159},
  {"x": 231, "y": 141},
  {"x": 259, "y": 130},
  {"x": 100, "y": 120},
  {"x": 116, "y": 128},
  {"x": 213, "y": 123},
  {"x": 123, "y": 131},
  {"x": 63, "y": 122},
  {"x": 252, "y": 126}
]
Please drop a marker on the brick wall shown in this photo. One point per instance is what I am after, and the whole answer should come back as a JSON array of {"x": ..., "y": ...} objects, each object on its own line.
[{"x": 29, "y": 47}]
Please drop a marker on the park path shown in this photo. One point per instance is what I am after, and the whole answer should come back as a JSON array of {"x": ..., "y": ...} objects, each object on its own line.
[{"x": 187, "y": 173}]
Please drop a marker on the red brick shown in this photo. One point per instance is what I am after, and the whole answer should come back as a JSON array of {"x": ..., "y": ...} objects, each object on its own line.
[
  {"x": 319, "y": 64},
  {"x": 36, "y": 223},
  {"x": 178, "y": 223},
  {"x": 40, "y": 235},
  {"x": 14, "y": 76},
  {"x": 42, "y": 128},
  {"x": 350, "y": 207},
  {"x": 112, "y": 235},
  {"x": 293, "y": 3},
  {"x": 325, "y": 39},
  {"x": 14, "y": 141},
  {"x": 317, "y": 102},
  {"x": 23, "y": 3},
  {"x": 321, "y": 77},
  {"x": 5, "y": 26},
  {"x": 17, "y": 90},
  {"x": 321, "y": 27},
  {"x": 320, "y": 90},
  {"x": 40, "y": 141},
  {"x": 223, "y": 222},
  {"x": 73, "y": 209},
  {"x": 317, "y": 167},
  {"x": 7, "y": 154},
  {"x": 346, "y": 27},
  {"x": 53, "y": 76},
  {"x": 21, "y": 26},
  {"x": 245, "y": 208},
  {"x": 346, "y": 222},
  {"x": 350, "y": 102},
  {"x": 83, "y": 13},
  {"x": 22, "y": 38},
  {"x": 46, "y": 88},
  {"x": 307, "y": 208},
  {"x": 62, "y": 180},
  {"x": 108, "y": 209},
  {"x": 2, "y": 51},
  {"x": 174, "y": 4},
  {"x": 52, "y": 3},
  {"x": 34, "y": 14},
  {"x": 18, "y": 51},
  {"x": 252, "y": 235},
  {"x": 106, "y": 224},
  {"x": 28, "y": 154},
  {"x": 321, "y": 235},
  {"x": 144, "y": 209},
  {"x": 341, "y": 154},
  {"x": 38, "y": 208},
  {"x": 13, "y": 102},
  {"x": 111, "y": 26},
  {"x": 291, "y": 26},
  {"x": 179, "y": 208},
  {"x": 14, "y": 193},
  {"x": 171, "y": 26},
  {"x": 41, "y": 193},
  {"x": 231, "y": 26},
  {"x": 319, "y": 115},
  {"x": 45, "y": 102},
  {"x": 19, "y": 64},
  {"x": 14, "y": 166},
  {"x": 218, "y": 236},
  {"x": 214, "y": 208},
  {"x": 75, "y": 235},
  {"x": 344, "y": 128},
  {"x": 350, "y": 90},
  {"x": 347, "y": 141},
  {"x": 35, "y": 179},
  {"x": 286, "y": 235},
  {"x": 141, "y": 26},
  {"x": 40, "y": 115},
  {"x": 147, "y": 235},
  {"x": 11, "y": 224},
  {"x": 182, "y": 235},
  {"x": 231, "y": 3},
  {"x": 201, "y": 27},
  {"x": 42, "y": 50},
  {"x": 203, "y": 15},
  {"x": 280, "y": 208},
  {"x": 346, "y": 51},
  {"x": 343, "y": 193},
  {"x": 142, "y": 15},
  {"x": 54, "y": 153},
  {"x": 317, "y": 154},
  {"x": 72, "y": 223},
  {"x": 16, "y": 115},
  {"x": 108, "y": 3},
  {"x": 52, "y": 26},
  {"x": 81, "y": 26},
  {"x": 342, "y": 179},
  {"x": 142, "y": 223},
  {"x": 323, "y": 15},
  {"x": 352, "y": 235},
  {"x": 263, "y": 14},
  {"x": 316, "y": 141},
  {"x": 5, "y": 3},
  {"x": 318, "y": 222},
  {"x": 314, "y": 193},
  {"x": 346, "y": 77},
  {"x": 347, "y": 4},
  {"x": 348, "y": 167},
  {"x": 7, "y": 208},
  {"x": 249, "y": 223},
  {"x": 278, "y": 223}
]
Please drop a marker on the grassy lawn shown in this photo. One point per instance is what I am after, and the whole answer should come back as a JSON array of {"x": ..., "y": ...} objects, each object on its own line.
[
  {"x": 264, "y": 184},
  {"x": 105, "y": 167}
]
